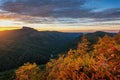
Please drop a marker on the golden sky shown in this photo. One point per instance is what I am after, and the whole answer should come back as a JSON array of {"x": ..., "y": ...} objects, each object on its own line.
[
  {"x": 61, "y": 15},
  {"x": 17, "y": 21}
]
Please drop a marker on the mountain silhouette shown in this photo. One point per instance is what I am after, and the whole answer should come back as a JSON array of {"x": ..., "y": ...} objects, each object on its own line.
[
  {"x": 29, "y": 45},
  {"x": 92, "y": 38}
]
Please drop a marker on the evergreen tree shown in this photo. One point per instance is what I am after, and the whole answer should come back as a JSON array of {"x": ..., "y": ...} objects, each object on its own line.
[{"x": 83, "y": 46}]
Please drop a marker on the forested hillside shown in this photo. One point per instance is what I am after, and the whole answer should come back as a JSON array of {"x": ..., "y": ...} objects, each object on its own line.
[
  {"x": 102, "y": 62},
  {"x": 29, "y": 45},
  {"x": 92, "y": 38}
]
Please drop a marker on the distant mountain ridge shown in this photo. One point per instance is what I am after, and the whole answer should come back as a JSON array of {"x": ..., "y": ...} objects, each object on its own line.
[
  {"x": 92, "y": 37},
  {"x": 29, "y": 45}
]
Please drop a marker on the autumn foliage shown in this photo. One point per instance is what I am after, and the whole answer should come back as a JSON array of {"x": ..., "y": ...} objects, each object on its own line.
[
  {"x": 100, "y": 61},
  {"x": 27, "y": 72}
]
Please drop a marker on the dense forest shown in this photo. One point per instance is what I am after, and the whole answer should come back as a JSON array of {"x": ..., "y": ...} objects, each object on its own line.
[
  {"x": 99, "y": 61},
  {"x": 29, "y": 45}
]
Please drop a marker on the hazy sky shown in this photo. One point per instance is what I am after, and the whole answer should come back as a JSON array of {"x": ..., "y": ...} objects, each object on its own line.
[{"x": 61, "y": 15}]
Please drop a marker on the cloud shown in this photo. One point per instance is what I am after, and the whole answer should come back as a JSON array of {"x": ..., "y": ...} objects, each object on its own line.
[
  {"x": 108, "y": 13},
  {"x": 55, "y": 11},
  {"x": 47, "y": 8},
  {"x": 57, "y": 8}
]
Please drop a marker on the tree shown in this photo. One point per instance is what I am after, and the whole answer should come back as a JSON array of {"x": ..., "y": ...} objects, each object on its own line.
[
  {"x": 83, "y": 46},
  {"x": 105, "y": 46},
  {"x": 27, "y": 72}
]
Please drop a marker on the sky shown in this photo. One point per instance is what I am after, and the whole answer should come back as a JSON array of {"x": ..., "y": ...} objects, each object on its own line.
[{"x": 61, "y": 15}]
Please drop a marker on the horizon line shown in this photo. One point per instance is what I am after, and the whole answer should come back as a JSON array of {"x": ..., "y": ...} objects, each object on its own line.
[{"x": 67, "y": 31}]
